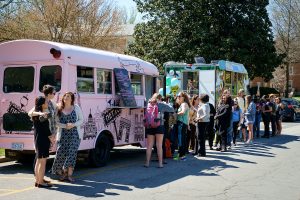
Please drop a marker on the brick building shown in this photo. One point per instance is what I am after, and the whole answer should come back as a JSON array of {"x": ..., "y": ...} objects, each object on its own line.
[{"x": 294, "y": 80}]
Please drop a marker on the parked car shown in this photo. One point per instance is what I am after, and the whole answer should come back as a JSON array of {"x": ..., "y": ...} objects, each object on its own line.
[{"x": 292, "y": 109}]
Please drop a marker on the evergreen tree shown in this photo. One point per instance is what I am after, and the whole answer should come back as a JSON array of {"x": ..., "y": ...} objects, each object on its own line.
[{"x": 179, "y": 30}]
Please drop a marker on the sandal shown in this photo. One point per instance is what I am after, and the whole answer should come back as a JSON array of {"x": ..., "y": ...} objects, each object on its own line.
[
  {"x": 46, "y": 181},
  {"x": 63, "y": 177},
  {"x": 43, "y": 185},
  {"x": 70, "y": 179}
]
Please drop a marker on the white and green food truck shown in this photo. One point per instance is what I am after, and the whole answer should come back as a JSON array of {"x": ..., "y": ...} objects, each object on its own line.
[{"x": 199, "y": 78}]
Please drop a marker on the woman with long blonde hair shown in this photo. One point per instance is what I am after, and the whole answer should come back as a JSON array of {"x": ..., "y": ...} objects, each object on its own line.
[
  {"x": 250, "y": 117},
  {"x": 192, "y": 141}
]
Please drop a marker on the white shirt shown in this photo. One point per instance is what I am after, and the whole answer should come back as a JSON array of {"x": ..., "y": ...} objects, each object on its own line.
[
  {"x": 241, "y": 102},
  {"x": 203, "y": 113}
]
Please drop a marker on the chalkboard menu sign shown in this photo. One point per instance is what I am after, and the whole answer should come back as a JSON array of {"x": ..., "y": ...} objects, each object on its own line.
[{"x": 124, "y": 85}]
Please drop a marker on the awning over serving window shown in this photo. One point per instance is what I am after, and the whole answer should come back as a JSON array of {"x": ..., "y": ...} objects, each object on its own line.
[
  {"x": 221, "y": 64},
  {"x": 232, "y": 66}
]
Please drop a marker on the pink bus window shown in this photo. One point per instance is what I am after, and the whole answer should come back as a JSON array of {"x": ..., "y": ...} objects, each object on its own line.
[
  {"x": 85, "y": 79},
  {"x": 18, "y": 79},
  {"x": 137, "y": 84},
  {"x": 50, "y": 75},
  {"x": 104, "y": 85}
]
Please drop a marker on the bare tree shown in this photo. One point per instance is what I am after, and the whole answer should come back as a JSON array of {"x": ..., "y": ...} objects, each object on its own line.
[
  {"x": 88, "y": 23},
  {"x": 279, "y": 80},
  {"x": 4, "y": 3},
  {"x": 130, "y": 16},
  {"x": 286, "y": 23}
]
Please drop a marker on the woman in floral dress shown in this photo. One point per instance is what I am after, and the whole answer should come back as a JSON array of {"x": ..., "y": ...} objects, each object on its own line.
[{"x": 69, "y": 118}]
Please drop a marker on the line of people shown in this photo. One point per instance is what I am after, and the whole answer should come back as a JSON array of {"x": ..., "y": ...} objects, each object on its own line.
[{"x": 195, "y": 120}]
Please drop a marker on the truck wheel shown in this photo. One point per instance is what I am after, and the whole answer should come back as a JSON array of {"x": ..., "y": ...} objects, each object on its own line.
[{"x": 99, "y": 156}]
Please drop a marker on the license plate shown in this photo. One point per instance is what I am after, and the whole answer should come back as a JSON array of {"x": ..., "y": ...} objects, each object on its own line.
[{"x": 17, "y": 146}]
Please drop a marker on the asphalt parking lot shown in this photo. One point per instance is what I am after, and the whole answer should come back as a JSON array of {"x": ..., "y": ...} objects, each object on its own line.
[{"x": 267, "y": 169}]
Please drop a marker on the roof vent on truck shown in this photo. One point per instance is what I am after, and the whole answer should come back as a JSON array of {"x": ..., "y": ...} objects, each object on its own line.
[{"x": 199, "y": 59}]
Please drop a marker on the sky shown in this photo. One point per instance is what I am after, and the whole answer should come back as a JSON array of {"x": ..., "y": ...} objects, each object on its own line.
[
  {"x": 126, "y": 3},
  {"x": 129, "y": 4}
]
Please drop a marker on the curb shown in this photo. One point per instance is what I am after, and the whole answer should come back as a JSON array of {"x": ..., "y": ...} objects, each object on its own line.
[{"x": 3, "y": 159}]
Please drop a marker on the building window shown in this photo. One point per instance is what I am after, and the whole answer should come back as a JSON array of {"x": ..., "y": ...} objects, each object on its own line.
[
  {"x": 104, "y": 81},
  {"x": 18, "y": 79},
  {"x": 137, "y": 84},
  {"x": 291, "y": 70},
  {"x": 50, "y": 75},
  {"x": 85, "y": 79}
]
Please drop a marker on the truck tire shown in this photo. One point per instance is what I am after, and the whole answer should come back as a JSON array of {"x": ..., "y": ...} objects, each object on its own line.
[{"x": 99, "y": 156}]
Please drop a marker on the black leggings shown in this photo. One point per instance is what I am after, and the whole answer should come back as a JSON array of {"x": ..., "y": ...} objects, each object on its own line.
[
  {"x": 201, "y": 137},
  {"x": 235, "y": 131}
]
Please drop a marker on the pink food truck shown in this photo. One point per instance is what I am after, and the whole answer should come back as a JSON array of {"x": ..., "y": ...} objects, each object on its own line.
[{"x": 110, "y": 88}]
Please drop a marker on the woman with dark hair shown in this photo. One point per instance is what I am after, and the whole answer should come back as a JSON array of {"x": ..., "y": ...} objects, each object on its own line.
[
  {"x": 182, "y": 123},
  {"x": 42, "y": 136},
  {"x": 223, "y": 120},
  {"x": 203, "y": 115},
  {"x": 68, "y": 120}
]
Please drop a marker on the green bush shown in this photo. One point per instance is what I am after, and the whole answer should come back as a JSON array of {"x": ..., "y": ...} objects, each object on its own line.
[
  {"x": 263, "y": 91},
  {"x": 2, "y": 152}
]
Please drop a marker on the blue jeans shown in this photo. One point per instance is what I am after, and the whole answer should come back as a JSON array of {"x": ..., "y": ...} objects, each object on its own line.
[
  {"x": 256, "y": 125},
  {"x": 182, "y": 135},
  {"x": 229, "y": 133}
]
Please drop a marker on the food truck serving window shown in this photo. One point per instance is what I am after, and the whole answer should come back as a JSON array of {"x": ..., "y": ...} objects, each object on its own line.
[
  {"x": 18, "y": 79},
  {"x": 104, "y": 81},
  {"x": 85, "y": 79},
  {"x": 137, "y": 84},
  {"x": 50, "y": 75}
]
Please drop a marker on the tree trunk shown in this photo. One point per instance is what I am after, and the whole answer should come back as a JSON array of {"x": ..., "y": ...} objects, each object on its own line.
[{"x": 287, "y": 76}]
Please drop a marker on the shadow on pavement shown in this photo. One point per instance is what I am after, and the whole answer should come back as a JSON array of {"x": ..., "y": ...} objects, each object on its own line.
[{"x": 125, "y": 171}]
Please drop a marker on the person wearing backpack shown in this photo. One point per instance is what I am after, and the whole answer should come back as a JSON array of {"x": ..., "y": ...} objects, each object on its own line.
[
  {"x": 154, "y": 131},
  {"x": 154, "y": 124}
]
